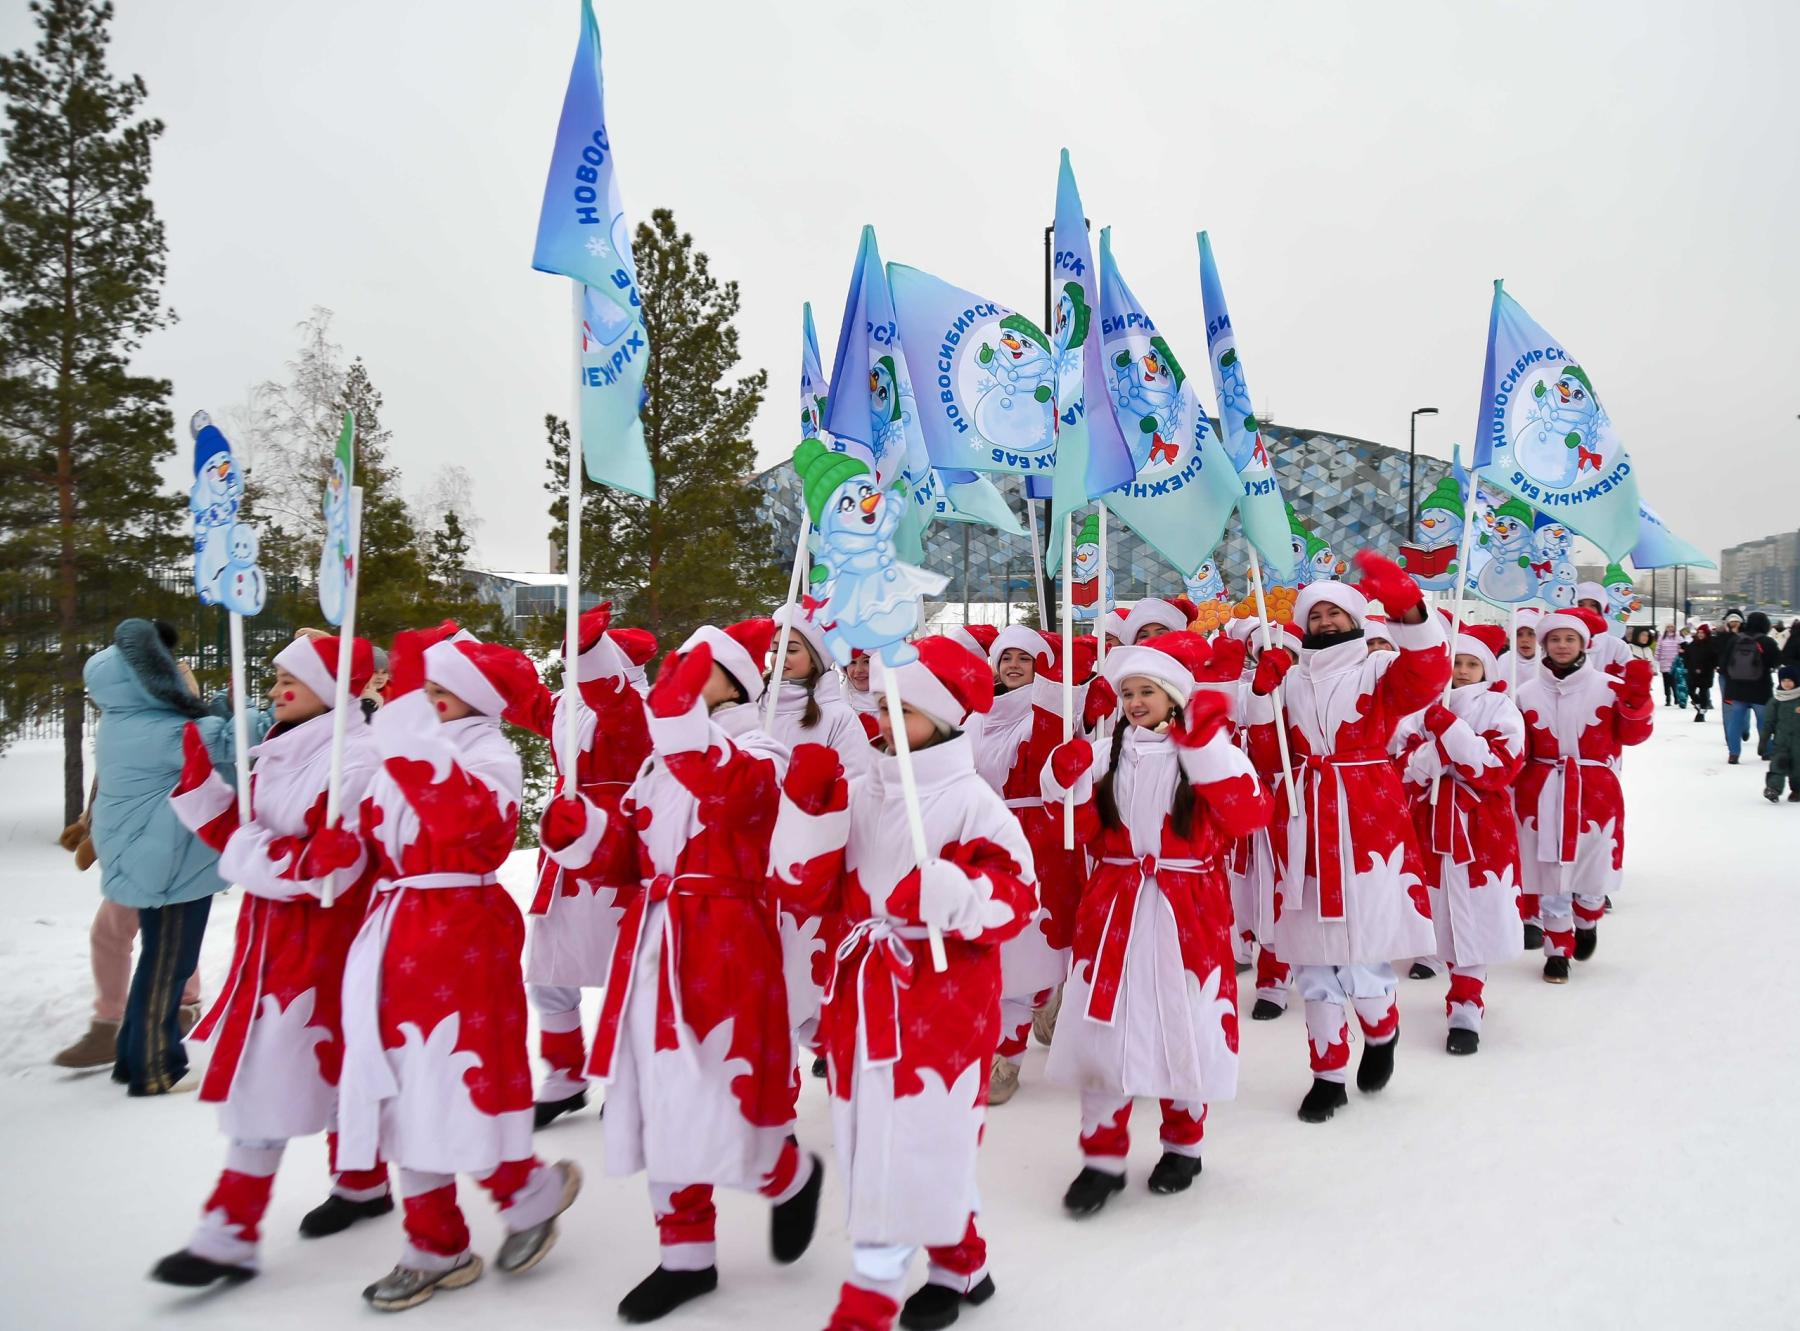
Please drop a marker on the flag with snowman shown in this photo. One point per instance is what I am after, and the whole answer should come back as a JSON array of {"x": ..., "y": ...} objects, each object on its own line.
[
  {"x": 1504, "y": 576},
  {"x": 337, "y": 556},
  {"x": 1543, "y": 435},
  {"x": 1083, "y": 596},
  {"x": 1432, "y": 557}
]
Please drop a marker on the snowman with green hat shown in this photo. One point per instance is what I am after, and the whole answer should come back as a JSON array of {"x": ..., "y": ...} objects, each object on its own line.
[
  {"x": 873, "y": 604},
  {"x": 1506, "y": 577},
  {"x": 1015, "y": 409},
  {"x": 1563, "y": 422},
  {"x": 1146, "y": 388},
  {"x": 1085, "y": 598},
  {"x": 1622, "y": 600}
]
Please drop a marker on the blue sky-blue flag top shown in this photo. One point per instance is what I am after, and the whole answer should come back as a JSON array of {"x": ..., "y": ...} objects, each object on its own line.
[
  {"x": 1658, "y": 547},
  {"x": 1092, "y": 456},
  {"x": 583, "y": 234},
  {"x": 1542, "y": 434},
  {"x": 1185, "y": 488}
]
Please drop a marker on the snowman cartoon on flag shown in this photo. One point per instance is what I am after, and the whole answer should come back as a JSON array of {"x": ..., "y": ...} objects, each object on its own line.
[
  {"x": 874, "y": 600},
  {"x": 1560, "y": 435},
  {"x": 1014, "y": 409},
  {"x": 1146, "y": 388},
  {"x": 1084, "y": 598},
  {"x": 225, "y": 550}
]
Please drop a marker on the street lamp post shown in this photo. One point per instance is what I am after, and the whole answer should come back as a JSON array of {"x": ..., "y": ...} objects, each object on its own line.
[{"x": 1412, "y": 468}]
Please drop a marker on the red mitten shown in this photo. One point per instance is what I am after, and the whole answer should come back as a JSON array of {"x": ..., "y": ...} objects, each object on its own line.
[
  {"x": 593, "y": 624},
  {"x": 1087, "y": 651},
  {"x": 1439, "y": 718},
  {"x": 1271, "y": 667},
  {"x": 329, "y": 850},
  {"x": 1386, "y": 581},
  {"x": 815, "y": 779},
  {"x": 639, "y": 645},
  {"x": 1102, "y": 699},
  {"x": 1068, "y": 761},
  {"x": 681, "y": 681},
  {"x": 563, "y": 823},
  {"x": 1227, "y": 660},
  {"x": 196, "y": 761},
  {"x": 1206, "y": 714},
  {"x": 1634, "y": 689}
]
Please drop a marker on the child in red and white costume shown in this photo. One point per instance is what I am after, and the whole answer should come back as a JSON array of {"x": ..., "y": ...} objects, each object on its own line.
[
  {"x": 856, "y": 692},
  {"x": 1519, "y": 666},
  {"x": 1469, "y": 748},
  {"x": 574, "y": 916},
  {"x": 276, "y": 1030},
  {"x": 1151, "y": 1001},
  {"x": 1112, "y": 626},
  {"x": 1352, "y": 894},
  {"x": 1154, "y": 615},
  {"x": 1571, "y": 807},
  {"x": 1251, "y": 866},
  {"x": 908, "y": 1046},
  {"x": 694, "y": 1041},
  {"x": 437, "y": 1072}
]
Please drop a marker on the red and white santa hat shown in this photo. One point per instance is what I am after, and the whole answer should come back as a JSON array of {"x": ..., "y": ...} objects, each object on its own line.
[
  {"x": 492, "y": 678},
  {"x": 976, "y": 637},
  {"x": 1170, "y": 661},
  {"x": 740, "y": 649},
  {"x": 1598, "y": 625},
  {"x": 803, "y": 625},
  {"x": 1375, "y": 625},
  {"x": 946, "y": 683},
  {"x": 1527, "y": 616},
  {"x": 1341, "y": 594},
  {"x": 1116, "y": 620},
  {"x": 314, "y": 662},
  {"x": 1016, "y": 636},
  {"x": 1174, "y": 615},
  {"x": 1591, "y": 591},
  {"x": 1484, "y": 642},
  {"x": 1575, "y": 620}
]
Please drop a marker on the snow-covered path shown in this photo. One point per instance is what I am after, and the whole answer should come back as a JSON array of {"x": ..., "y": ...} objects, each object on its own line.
[{"x": 1617, "y": 1155}]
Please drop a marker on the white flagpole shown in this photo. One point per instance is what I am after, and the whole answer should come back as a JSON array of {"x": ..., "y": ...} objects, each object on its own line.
[
  {"x": 909, "y": 788},
  {"x": 572, "y": 618},
  {"x": 1281, "y": 739},
  {"x": 240, "y": 718},
  {"x": 340, "y": 697},
  {"x": 1100, "y": 598},
  {"x": 779, "y": 664},
  {"x": 1037, "y": 558},
  {"x": 1462, "y": 584},
  {"x": 1068, "y": 665}
]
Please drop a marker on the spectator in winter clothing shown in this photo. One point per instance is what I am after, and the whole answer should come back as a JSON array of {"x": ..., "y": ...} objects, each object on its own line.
[
  {"x": 148, "y": 861},
  {"x": 1668, "y": 651},
  {"x": 1747, "y": 662},
  {"x": 1784, "y": 738},
  {"x": 1702, "y": 661}
]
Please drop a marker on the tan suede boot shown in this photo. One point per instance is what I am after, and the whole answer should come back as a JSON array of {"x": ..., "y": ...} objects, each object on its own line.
[{"x": 99, "y": 1048}]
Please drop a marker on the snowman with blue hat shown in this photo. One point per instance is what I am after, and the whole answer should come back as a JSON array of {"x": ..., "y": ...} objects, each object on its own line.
[{"x": 217, "y": 492}]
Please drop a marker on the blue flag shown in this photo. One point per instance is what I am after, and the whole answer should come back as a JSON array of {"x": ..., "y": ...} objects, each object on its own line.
[
  {"x": 1185, "y": 488},
  {"x": 1658, "y": 547},
  {"x": 1092, "y": 456},
  {"x": 815, "y": 389},
  {"x": 583, "y": 234},
  {"x": 1543, "y": 435},
  {"x": 1261, "y": 512}
]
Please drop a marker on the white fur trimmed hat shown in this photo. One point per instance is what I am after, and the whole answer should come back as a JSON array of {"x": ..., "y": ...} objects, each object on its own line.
[
  {"x": 314, "y": 662},
  {"x": 1341, "y": 594},
  {"x": 740, "y": 649},
  {"x": 946, "y": 683}
]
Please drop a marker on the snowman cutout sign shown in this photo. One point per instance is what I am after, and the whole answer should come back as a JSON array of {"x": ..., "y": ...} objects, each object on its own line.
[
  {"x": 225, "y": 549},
  {"x": 335, "y": 559},
  {"x": 1506, "y": 577},
  {"x": 1084, "y": 598}
]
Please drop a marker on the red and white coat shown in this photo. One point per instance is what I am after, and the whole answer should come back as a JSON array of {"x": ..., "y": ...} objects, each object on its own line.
[
  {"x": 1468, "y": 838},
  {"x": 1150, "y": 1006},
  {"x": 1351, "y": 888},
  {"x": 1570, "y": 804},
  {"x": 575, "y": 915},
  {"x": 907, "y": 1047},
  {"x": 276, "y": 1029},
  {"x": 1012, "y": 745},
  {"x": 693, "y": 1038},
  {"x": 436, "y": 1069}
]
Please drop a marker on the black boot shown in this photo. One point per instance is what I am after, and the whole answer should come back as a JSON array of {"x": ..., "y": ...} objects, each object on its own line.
[
  {"x": 1773, "y": 796},
  {"x": 546, "y": 1112},
  {"x": 1174, "y": 1173},
  {"x": 1242, "y": 966},
  {"x": 1608, "y": 901},
  {"x": 1556, "y": 970},
  {"x": 1420, "y": 971},
  {"x": 1534, "y": 938},
  {"x": 1461, "y": 1041},
  {"x": 1266, "y": 1009},
  {"x": 1586, "y": 940},
  {"x": 934, "y": 1306},
  {"x": 818, "y": 1066},
  {"x": 663, "y": 1291},
  {"x": 1323, "y": 1100},
  {"x": 336, "y": 1214},
  {"x": 1091, "y": 1190},
  {"x": 791, "y": 1222},
  {"x": 192, "y": 1271},
  {"x": 1376, "y": 1067}
]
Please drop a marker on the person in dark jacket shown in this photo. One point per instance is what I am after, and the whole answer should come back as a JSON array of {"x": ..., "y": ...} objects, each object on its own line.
[
  {"x": 1784, "y": 737},
  {"x": 1747, "y": 660},
  {"x": 1702, "y": 661}
]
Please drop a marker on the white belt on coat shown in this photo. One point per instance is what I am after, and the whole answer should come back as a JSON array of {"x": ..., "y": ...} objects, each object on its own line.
[{"x": 366, "y": 1079}]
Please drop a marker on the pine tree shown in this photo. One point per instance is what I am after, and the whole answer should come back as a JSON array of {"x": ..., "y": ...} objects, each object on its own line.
[
  {"x": 701, "y": 551},
  {"x": 449, "y": 552},
  {"x": 82, "y": 521}
]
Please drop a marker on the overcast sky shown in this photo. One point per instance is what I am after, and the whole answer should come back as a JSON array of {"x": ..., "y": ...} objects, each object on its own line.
[{"x": 1366, "y": 170}]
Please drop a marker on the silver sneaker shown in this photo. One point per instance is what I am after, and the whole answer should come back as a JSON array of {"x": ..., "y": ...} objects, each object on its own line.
[
  {"x": 1003, "y": 1081},
  {"x": 525, "y": 1248},
  {"x": 404, "y": 1287}
]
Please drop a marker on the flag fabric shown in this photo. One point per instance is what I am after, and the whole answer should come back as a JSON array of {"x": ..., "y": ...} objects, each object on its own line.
[
  {"x": 1658, "y": 547},
  {"x": 815, "y": 389},
  {"x": 225, "y": 549},
  {"x": 989, "y": 373},
  {"x": 583, "y": 234},
  {"x": 1092, "y": 457},
  {"x": 1261, "y": 512},
  {"x": 1184, "y": 488},
  {"x": 1542, "y": 434},
  {"x": 336, "y": 558}
]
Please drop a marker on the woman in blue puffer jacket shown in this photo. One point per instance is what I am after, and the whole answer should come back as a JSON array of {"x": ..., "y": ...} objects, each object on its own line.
[{"x": 149, "y": 861}]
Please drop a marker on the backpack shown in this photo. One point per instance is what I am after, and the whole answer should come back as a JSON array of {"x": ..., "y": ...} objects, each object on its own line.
[{"x": 1744, "y": 663}]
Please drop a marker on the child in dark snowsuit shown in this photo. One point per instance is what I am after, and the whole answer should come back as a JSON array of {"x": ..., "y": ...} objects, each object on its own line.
[{"x": 1784, "y": 737}]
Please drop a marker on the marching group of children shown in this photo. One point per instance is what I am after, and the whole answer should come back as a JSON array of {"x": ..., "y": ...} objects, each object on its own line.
[{"x": 739, "y": 877}]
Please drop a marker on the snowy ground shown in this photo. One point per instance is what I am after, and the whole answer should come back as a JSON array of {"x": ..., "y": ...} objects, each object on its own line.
[{"x": 1617, "y": 1155}]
